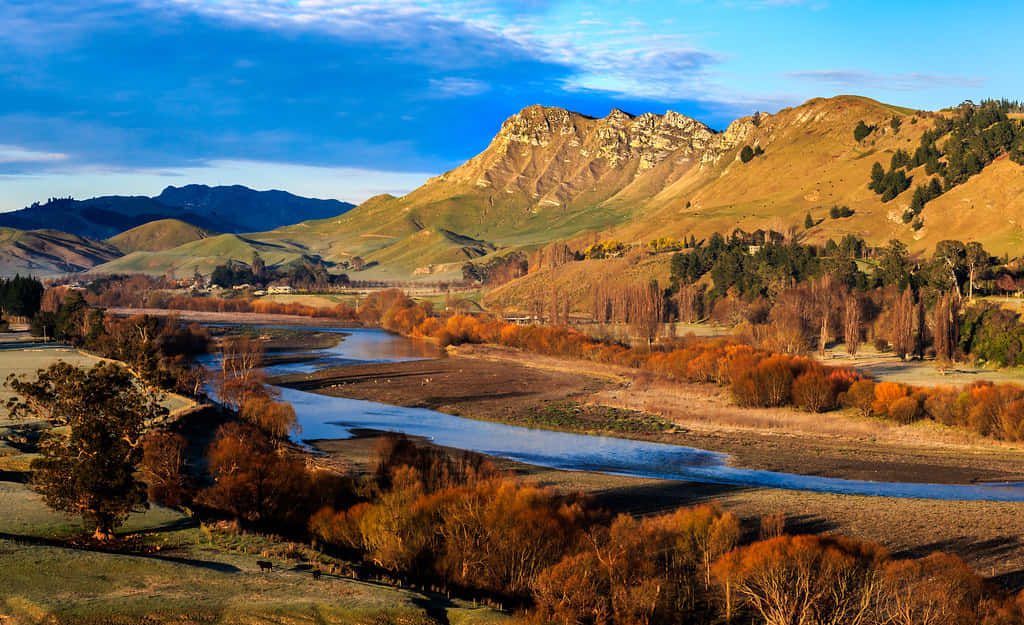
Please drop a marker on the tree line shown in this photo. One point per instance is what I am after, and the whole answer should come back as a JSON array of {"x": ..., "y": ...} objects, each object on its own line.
[{"x": 309, "y": 273}]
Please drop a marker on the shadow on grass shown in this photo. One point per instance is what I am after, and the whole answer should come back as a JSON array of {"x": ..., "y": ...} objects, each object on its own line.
[
  {"x": 39, "y": 541},
  {"x": 16, "y": 477},
  {"x": 661, "y": 496}
]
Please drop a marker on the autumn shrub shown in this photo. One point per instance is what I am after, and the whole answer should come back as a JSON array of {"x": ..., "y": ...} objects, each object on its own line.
[
  {"x": 905, "y": 410},
  {"x": 256, "y": 483},
  {"x": 802, "y": 579},
  {"x": 776, "y": 377},
  {"x": 860, "y": 396},
  {"x": 772, "y": 525},
  {"x": 939, "y": 405},
  {"x": 748, "y": 391},
  {"x": 813, "y": 392},
  {"x": 1011, "y": 421},
  {"x": 937, "y": 589},
  {"x": 655, "y": 569},
  {"x": 885, "y": 394},
  {"x": 275, "y": 418}
]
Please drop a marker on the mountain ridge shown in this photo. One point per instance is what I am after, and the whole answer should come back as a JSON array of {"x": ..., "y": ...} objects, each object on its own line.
[{"x": 221, "y": 209}]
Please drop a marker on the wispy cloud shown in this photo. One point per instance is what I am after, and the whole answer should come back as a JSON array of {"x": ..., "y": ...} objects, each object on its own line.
[
  {"x": 453, "y": 87},
  {"x": 854, "y": 79},
  {"x": 16, "y": 154},
  {"x": 461, "y": 35}
]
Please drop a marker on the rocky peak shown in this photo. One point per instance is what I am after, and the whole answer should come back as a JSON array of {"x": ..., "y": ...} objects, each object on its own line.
[
  {"x": 616, "y": 138},
  {"x": 537, "y": 125}
]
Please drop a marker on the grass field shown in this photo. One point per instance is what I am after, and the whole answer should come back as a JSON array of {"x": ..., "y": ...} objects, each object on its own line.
[
  {"x": 19, "y": 355},
  {"x": 176, "y": 571}
]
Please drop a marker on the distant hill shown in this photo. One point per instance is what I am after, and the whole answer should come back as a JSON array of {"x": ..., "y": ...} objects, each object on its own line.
[
  {"x": 158, "y": 235},
  {"x": 44, "y": 253},
  {"x": 234, "y": 209},
  {"x": 203, "y": 255}
]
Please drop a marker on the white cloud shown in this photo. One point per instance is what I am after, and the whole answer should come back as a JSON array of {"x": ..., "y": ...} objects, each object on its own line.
[
  {"x": 453, "y": 87},
  {"x": 855, "y": 79},
  {"x": 628, "y": 58},
  {"x": 16, "y": 154}
]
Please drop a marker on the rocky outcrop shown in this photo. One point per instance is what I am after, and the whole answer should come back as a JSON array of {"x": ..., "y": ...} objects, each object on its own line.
[{"x": 550, "y": 158}]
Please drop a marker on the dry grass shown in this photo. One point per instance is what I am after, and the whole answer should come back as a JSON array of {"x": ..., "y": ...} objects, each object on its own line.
[{"x": 709, "y": 407}]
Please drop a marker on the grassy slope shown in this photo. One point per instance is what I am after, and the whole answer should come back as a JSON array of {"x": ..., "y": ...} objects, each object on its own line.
[
  {"x": 158, "y": 235},
  {"x": 204, "y": 255},
  {"x": 49, "y": 252},
  {"x": 575, "y": 282}
]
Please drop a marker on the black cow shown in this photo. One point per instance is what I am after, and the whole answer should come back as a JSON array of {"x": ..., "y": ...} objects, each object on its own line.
[
  {"x": 317, "y": 574},
  {"x": 265, "y": 566}
]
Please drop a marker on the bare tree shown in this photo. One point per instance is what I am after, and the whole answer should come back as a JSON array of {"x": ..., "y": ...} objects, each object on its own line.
[
  {"x": 902, "y": 324},
  {"x": 691, "y": 303},
  {"x": 852, "y": 315},
  {"x": 825, "y": 296},
  {"x": 947, "y": 331}
]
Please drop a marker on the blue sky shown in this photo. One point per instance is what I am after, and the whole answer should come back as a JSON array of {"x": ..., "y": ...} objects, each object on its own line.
[{"x": 346, "y": 99}]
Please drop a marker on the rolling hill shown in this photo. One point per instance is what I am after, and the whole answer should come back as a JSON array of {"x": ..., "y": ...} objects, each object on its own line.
[
  {"x": 232, "y": 209},
  {"x": 159, "y": 235},
  {"x": 45, "y": 253}
]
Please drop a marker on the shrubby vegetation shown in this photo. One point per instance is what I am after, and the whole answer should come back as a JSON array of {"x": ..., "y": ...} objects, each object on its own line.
[
  {"x": 309, "y": 274},
  {"x": 497, "y": 270},
  {"x": 461, "y": 523},
  {"x": 748, "y": 153},
  {"x": 861, "y": 131},
  {"x": 158, "y": 350}
]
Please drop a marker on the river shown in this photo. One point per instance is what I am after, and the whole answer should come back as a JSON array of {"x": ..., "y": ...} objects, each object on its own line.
[{"x": 323, "y": 417}]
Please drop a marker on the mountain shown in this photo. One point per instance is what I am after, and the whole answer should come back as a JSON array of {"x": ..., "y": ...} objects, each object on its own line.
[
  {"x": 44, "y": 253},
  {"x": 223, "y": 209},
  {"x": 551, "y": 174},
  {"x": 159, "y": 235},
  {"x": 248, "y": 210}
]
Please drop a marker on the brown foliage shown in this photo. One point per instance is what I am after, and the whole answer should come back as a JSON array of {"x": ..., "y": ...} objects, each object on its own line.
[
  {"x": 803, "y": 580},
  {"x": 814, "y": 392},
  {"x": 163, "y": 461}
]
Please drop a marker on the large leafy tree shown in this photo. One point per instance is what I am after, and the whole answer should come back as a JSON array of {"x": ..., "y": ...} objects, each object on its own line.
[{"x": 91, "y": 468}]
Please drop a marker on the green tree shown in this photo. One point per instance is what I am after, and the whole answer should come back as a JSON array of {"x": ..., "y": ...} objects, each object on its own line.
[
  {"x": 746, "y": 154},
  {"x": 893, "y": 265},
  {"x": 808, "y": 222},
  {"x": 91, "y": 470},
  {"x": 877, "y": 173},
  {"x": 862, "y": 130}
]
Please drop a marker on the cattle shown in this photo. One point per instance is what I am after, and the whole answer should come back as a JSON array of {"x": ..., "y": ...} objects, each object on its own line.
[
  {"x": 317, "y": 574},
  {"x": 264, "y": 565}
]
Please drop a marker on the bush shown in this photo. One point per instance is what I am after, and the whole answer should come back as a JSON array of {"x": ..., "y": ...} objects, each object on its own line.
[
  {"x": 813, "y": 392},
  {"x": 861, "y": 131},
  {"x": 860, "y": 396},
  {"x": 905, "y": 410}
]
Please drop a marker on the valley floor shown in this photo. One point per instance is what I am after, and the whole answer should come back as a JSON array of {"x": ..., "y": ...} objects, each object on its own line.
[
  {"x": 499, "y": 384},
  {"x": 506, "y": 385}
]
